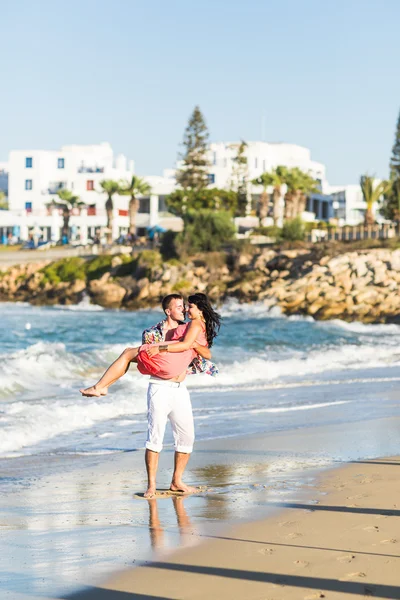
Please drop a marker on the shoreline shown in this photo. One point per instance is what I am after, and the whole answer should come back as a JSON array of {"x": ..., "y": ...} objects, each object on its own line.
[
  {"x": 320, "y": 282},
  {"x": 340, "y": 546},
  {"x": 93, "y": 506}
]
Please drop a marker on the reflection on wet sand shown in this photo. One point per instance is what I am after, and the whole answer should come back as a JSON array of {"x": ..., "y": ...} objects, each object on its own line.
[{"x": 157, "y": 538}]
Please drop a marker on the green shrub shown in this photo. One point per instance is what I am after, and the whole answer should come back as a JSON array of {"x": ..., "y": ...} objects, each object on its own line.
[
  {"x": 204, "y": 231},
  {"x": 293, "y": 230},
  {"x": 167, "y": 245},
  {"x": 149, "y": 258},
  {"x": 182, "y": 286},
  {"x": 66, "y": 270},
  {"x": 174, "y": 262},
  {"x": 127, "y": 268},
  {"x": 270, "y": 231},
  {"x": 98, "y": 266}
]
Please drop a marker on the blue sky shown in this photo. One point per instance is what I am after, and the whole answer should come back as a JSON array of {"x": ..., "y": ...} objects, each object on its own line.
[{"x": 325, "y": 74}]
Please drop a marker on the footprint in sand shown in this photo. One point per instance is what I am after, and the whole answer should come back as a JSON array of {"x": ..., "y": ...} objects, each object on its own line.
[
  {"x": 287, "y": 523},
  {"x": 301, "y": 563},
  {"x": 357, "y": 497},
  {"x": 294, "y": 535},
  {"x": 353, "y": 575},
  {"x": 314, "y": 596},
  {"x": 372, "y": 529},
  {"x": 391, "y": 541},
  {"x": 266, "y": 551},
  {"x": 347, "y": 558}
]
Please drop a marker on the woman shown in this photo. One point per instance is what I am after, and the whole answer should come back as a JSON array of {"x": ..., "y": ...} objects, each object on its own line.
[{"x": 166, "y": 360}]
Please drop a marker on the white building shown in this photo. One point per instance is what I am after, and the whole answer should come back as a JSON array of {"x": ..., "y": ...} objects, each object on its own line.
[
  {"x": 348, "y": 205},
  {"x": 261, "y": 157},
  {"x": 35, "y": 176}
]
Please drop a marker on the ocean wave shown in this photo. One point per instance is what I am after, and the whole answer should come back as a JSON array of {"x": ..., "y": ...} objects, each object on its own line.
[
  {"x": 29, "y": 423},
  {"x": 361, "y": 328},
  {"x": 258, "y": 369},
  {"x": 49, "y": 365},
  {"x": 83, "y": 305},
  {"x": 258, "y": 310}
]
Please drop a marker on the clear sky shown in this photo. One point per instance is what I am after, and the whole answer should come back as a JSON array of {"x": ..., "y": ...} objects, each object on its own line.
[{"x": 324, "y": 73}]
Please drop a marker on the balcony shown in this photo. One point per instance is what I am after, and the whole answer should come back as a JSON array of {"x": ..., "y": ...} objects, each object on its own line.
[
  {"x": 55, "y": 187},
  {"x": 84, "y": 169}
]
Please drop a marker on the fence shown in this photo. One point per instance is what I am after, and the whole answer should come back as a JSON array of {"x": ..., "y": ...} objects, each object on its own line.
[{"x": 352, "y": 234}]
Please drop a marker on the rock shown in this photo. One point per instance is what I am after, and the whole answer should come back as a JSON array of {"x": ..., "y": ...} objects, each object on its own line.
[
  {"x": 313, "y": 294},
  {"x": 109, "y": 295},
  {"x": 369, "y": 295},
  {"x": 333, "y": 311},
  {"x": 344, "y": 281},
  {"x": 316, "y": 306},
  {"x": 116, "y": 261}
]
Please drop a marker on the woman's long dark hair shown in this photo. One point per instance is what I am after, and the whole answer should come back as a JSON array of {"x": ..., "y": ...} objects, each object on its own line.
[{"x": 212, "y": 318}]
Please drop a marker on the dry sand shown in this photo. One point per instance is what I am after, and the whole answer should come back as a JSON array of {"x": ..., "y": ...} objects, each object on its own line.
[{"x": 344, "y": 545}]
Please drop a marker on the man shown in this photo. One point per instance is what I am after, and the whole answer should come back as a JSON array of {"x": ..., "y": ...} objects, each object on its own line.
[{"x": 170, "y": 399}]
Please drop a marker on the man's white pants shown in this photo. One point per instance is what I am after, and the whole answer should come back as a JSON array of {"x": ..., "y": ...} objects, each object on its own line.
[{"x": 169, "y": 400}]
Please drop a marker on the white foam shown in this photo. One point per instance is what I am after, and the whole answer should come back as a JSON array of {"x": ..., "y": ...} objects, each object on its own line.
[
  {"x": 34, "y": 422},
  {"x": 258, "y": 310},
  {"x": 301, "y": 364},
  {"x": 83, "y": 305}
]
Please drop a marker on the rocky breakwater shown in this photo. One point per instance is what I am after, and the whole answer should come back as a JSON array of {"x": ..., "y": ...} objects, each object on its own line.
[{"x": 359, "y": 285}]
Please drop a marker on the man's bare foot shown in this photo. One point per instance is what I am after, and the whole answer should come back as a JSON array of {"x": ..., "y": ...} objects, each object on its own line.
[
  {"x": 182, "y": 487},
  {"x": 150, "y": 492},
  {"x": 94, "y": 391}
]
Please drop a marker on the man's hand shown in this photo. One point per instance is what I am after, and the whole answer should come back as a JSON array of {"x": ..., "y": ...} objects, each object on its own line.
[
  {"x": 153, "y": 351},
  {"x": 202, "y": 351}
]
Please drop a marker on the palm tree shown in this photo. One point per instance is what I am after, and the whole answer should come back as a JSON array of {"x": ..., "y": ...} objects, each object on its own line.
[
  {"x": 265, "y": 179},
  {"x": 136, "y": 186},
  {"x": 67, "y": 201},
  {"x": 277, "y": 178},
  {"x": 110, "y": 187},
  {"x": 300, "y": 185},
  {"x": 371, "y": 194}
]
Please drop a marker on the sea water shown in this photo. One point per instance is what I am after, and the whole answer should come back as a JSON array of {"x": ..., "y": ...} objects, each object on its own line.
[
  {"x": 276, "y": 373},
  {"x": 68, "y": 513}
]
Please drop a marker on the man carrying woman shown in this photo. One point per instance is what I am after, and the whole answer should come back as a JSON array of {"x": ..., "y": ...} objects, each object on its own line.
[{"x": 170, "y": 350}]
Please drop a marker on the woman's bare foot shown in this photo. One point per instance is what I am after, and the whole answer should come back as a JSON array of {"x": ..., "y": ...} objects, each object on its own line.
[
  {"x": 182, "y": 487},
  {"x": 150, "y": 492},
  {"x": 94, "y": 391}
]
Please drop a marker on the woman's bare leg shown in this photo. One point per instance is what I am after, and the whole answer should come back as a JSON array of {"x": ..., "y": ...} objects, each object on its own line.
[{"x": 118, "y": 368}]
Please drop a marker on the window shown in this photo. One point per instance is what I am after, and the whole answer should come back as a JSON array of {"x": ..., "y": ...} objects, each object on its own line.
[
  {"x": 90, "y": 185},
  {"x": 28, "y": 184},
  {"x": 28, "y": 162},
  {"x": 144, "y": 205},
  {"x": 60, "y": 163},
  {"x": 255, "y": 163},
  {"x": 211, "y": 178},
  {"x": 264, "y": 165},
  {"x": 28, "y": 207},
  {"x": 214, "y": 158}
]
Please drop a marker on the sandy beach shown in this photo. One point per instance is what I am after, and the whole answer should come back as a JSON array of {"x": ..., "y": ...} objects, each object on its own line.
[
  {"x": 276, "y": 520},
  {"x": 342, "y": 543}
]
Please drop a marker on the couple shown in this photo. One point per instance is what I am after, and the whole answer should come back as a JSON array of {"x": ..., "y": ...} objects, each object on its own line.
[{"x": 170, "y": 350}]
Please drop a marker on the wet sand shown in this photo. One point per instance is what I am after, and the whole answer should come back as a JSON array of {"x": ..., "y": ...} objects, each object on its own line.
[
  {"x": 77, "y": 521},
  {"x": 344, "y": 545}
]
